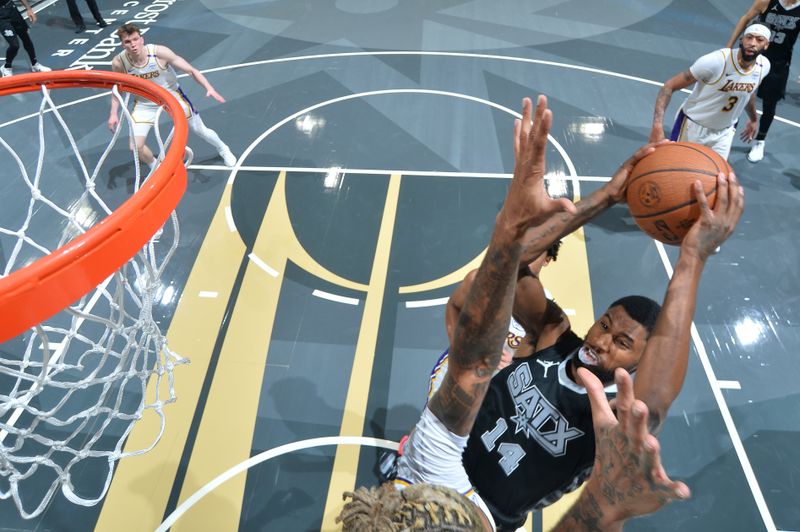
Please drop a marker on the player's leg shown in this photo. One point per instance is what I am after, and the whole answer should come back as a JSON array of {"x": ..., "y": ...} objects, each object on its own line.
[
  {"x": 98, "y": 17},
  {"x": 771, "y": 91},
  {"x": 720, "y": 142},
  {"x": 20, "y": 27},
  {"x": 75, "y": 15},
  {"x": 209, "y": 135},
  {"x": 768, "y": 108},
  {"x": 13, "y": 46},
  {"x": 144, "y": 116}
]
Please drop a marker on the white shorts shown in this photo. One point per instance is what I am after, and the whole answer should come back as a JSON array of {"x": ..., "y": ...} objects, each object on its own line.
[
  {"x": 686, "y": 130},
  {"x": 144, "y": 113},
  {"x": 432, "y": 455}
]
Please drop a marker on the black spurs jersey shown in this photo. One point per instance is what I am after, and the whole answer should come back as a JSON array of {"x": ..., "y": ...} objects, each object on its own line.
[
  {"x": 533, "y": 439},
  {"x": 784, "y": 25}
]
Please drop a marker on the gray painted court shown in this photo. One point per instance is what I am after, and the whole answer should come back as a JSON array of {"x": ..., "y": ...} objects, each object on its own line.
[{"x": 350, "y": 109}]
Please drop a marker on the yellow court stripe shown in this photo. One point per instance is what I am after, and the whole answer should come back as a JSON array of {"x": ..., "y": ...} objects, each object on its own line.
[
  {"x": 142, "y": 484},
  {"x": 568, "y": 280},
  {"x": 345, "y": 463},
  {"x": 225, "y": 435}
]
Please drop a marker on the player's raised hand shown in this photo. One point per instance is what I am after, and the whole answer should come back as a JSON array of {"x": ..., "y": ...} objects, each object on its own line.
[
  {"x": 618, "y": 185},
  {"x": 214, "y": 94},
  {"x": 628, "y": 478},
  {"x": 527, "y": 203},
  {"x": 715, "y": 225}
]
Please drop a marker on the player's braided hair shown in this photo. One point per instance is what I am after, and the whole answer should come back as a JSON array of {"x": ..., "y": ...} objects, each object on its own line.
[{"x": 418, "y": 507}]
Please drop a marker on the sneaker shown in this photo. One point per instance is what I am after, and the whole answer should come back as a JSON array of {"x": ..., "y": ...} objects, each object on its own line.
[
  {"x": 102, "y": 23},
  {"x": 5, "y": 72},
  {"x": 756, "y": 152},
  {"x": 38, "y": 67},
  {"x": 227, "y": 156}
]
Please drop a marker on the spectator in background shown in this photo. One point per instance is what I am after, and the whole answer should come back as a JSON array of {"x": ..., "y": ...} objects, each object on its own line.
[{"x": 76, "y": 17}]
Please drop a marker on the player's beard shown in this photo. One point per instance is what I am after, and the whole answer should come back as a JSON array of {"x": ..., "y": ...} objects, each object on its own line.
[
  {"x": 605, "y": 376},
  {"x": 749, "y": 57}
]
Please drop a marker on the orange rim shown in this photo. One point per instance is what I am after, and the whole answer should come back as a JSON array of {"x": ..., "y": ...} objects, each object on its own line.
[{"x": 35, "y": 293}]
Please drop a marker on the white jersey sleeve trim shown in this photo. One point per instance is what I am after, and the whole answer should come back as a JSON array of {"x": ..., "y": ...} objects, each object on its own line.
[{"x": 710, "y": 67}]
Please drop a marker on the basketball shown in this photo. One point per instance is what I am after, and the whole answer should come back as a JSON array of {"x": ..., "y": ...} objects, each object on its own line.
[{"x": 660, "y": 196}]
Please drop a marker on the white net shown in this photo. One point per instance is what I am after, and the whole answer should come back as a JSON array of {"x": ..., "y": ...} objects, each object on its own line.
[{"x": 72, "y": 387}]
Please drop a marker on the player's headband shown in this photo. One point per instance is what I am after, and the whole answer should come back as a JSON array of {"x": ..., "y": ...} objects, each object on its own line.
[{"x": 757, "y": 29}]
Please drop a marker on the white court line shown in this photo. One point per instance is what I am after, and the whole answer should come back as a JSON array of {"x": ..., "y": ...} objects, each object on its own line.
[
  {"x": 427, "y": 302},
  {"x": 396, "y": 52},
  {"x": 335, "y": 297},
  {"x": 229, "y": 219},
  {"x": 380, "y": 171},
  {"x": 263, "y": 265},
  {"x": 729, "y": 385},
  {"x": 738, "y": 446},
  {"x": 208, "y": 294},
  {"x": 263, "y": 457},
  {"x": 318, "y": 105}
]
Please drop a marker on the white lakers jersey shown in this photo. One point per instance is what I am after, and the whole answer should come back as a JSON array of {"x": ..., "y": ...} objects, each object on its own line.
[
  {"x": 152, "y": 70},
  {"x": 723, "y": 88}
]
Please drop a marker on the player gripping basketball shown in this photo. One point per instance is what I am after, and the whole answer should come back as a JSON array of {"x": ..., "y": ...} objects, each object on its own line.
[
  {"x": 154, "y": 62},
  {"x": 725, "y": 85}
]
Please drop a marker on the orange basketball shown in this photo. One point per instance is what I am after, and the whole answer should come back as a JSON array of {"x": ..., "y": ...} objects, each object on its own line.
[{"x": 660, "y": 196}]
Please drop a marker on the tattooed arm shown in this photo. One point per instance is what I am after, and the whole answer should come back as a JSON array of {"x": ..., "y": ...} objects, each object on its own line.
[
  {"x": 483, "y": 323},
  {"x": 628, "y": 478},
  {"x": 675, "y": 83},
  {"x": 596, "y": 203},
  {"x": 661, "y": 371}
]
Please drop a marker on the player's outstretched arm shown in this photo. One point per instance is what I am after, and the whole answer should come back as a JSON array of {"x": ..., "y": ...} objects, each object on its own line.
[
  {"x": 168, "y": 56},
  {"x": 675, "y": 83},
  {"x": 588, "y": 208},
  {"x": 483, "y": 322},
  {"x": 628, "y": 479},
  {"x": 758, "y": 7},
  {"x": 113, "y": 117},
  {"x": 661, "y": 371},
  {"x": 455, "y": 304}
]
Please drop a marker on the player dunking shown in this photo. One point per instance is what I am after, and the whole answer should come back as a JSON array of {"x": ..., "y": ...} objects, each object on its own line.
[
  {"x": 725, "y": 85},
  {"x": 783, "y": 18},
  {"x": 155, "y": 62},
  {"x": 14, "y": 29}
]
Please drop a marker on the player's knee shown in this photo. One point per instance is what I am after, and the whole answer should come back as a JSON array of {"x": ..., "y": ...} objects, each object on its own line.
[{"x": 13, "y": 44}]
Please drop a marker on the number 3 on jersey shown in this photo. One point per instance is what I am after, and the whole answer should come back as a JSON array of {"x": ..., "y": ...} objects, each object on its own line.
[{"x": 731, "y": 103}]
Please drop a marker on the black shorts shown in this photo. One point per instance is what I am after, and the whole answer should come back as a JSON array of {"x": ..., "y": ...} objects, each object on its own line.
[
  {"x": 11, "y": 22},
  {"x": 773, "y": 87}
]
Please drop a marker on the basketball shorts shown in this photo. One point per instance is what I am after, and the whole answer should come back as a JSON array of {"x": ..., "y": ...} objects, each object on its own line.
[
  {"x": 686, "y": 130},
  {"x": 773, "y": 87},
  {"x": 11, "y": 22},
  {"x": 144, "y": 113},
  {"x": 432, "y": 455}
]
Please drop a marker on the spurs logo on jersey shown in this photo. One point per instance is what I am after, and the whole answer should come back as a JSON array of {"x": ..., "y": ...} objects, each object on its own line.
[
  {"x": 785, "y": 25},
  {"x": 536, "y": 417}
]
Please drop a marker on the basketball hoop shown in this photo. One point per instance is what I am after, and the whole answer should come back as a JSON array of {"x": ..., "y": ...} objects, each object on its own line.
[{"x": 84, "y": 304}]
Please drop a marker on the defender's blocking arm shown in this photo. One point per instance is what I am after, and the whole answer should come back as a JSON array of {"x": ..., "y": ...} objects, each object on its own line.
[{"x": 483, "y": 322}]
